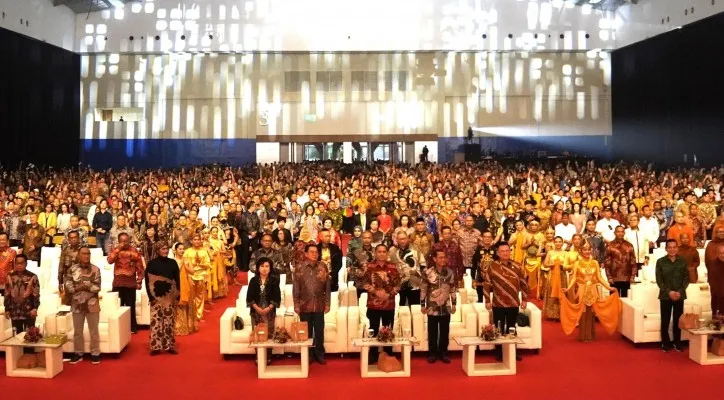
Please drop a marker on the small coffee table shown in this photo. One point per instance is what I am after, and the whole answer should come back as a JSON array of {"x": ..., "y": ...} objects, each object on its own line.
[
  {"x": 698, "y": 347},
  {"x": 507, "y": 367},
  {"x": 373, "y": 371},
  {"x": 14, "y": 350},
  {"x": 282, "y": 371}
]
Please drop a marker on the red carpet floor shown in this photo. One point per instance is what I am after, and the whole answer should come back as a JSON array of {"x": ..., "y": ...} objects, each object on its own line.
[{"x": 610, "y": 368}]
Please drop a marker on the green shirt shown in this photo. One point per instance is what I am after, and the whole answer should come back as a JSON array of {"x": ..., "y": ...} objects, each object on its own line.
[{"x": 671, "y": 276}]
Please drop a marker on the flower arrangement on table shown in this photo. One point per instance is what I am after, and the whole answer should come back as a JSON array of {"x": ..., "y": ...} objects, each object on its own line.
[
  {"x": 33, "y": 335},
  {"x": 716, "y": 323},
  {"x": 489, "y": 333},
  {"x": 386, "y": 334},
  {"x": 281, "y": 335}
]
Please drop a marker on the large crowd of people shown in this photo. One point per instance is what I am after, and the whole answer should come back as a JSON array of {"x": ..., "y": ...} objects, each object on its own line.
[{"x": 541, "y": 228}]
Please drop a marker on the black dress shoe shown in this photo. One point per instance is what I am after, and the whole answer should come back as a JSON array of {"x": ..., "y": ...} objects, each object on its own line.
[
  {"x": 321, "y": 360},
  {"x": 432, "y": 359},
  {"x": 172, "y": 351},
  {"x": 665, "y": 348},
  {"x": 155, "y": 352},
  {"x": 678, "y": 347},
  {"x": 445, "y": 359}
]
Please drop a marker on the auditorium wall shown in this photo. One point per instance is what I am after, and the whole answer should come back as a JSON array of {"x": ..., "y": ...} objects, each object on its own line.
[{"x": 213, "y": 107}]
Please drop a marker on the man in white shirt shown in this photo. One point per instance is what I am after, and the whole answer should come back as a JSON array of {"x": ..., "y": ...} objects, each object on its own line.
[
  {"x": 649, "y": 226},
  {"x": 637, "y": 238},
  {"x": 208, "y": 210},
  {"x": 566, "y": 230},
  {"x": 607, "y": 226}
]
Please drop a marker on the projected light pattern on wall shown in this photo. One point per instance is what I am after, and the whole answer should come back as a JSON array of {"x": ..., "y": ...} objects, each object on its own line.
[
  {"x": 242, "y": 96},
  {"x": 348, "y": 25}
]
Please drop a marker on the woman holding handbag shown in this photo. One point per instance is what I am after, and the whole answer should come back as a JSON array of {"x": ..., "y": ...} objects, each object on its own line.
[{"x": 264, "y": 297}]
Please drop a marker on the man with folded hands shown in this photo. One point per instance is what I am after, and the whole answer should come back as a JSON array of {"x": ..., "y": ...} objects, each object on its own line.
[
  {"x": 382, "y": 282},
  {"x": 312, "y": 295},
  {"x": 438, "y": 295}
]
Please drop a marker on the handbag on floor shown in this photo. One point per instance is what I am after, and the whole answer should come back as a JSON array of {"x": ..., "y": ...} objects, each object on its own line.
[
  {"x": 522, "y": 320},
  {"x": 238, "y": 324},
  {"x": 717, "y": 347},
  {"x": 388, "y": 363},
  {"x": 27, "y": 361}
]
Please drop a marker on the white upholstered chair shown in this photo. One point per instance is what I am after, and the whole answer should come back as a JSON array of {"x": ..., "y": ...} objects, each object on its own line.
[
  {"x": 114, "y": 326},
  {"x": 641, "y": 315}
]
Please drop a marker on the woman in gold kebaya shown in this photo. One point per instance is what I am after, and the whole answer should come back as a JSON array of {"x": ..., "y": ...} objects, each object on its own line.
[
  {"x": 587, "y": 277},
  {"x": 554, "y": 267}
]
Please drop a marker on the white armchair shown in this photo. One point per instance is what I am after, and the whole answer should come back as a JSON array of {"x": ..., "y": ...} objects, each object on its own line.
[
  {"x": 237, "y": 341},
  {"x": 143, "y": 307},
  {"x": 6, "y": 328},
  {"x": 532, "y": 335},
  {"x": 114, "y": 326},
  {"x": 641, "y": 314},
  {"x": 464, "y": 322}
]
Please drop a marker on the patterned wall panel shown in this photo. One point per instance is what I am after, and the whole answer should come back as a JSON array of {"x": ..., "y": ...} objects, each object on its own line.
[{"x": 227, "y": 96}]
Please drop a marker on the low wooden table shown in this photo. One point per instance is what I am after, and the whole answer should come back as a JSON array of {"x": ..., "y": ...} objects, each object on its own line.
[
  {"x": 282, "y": 371},
  {"x": 373, "y": 371},
  {"x": 14, "y": 350},
  {"x": 698, "y": 347},
  {"x": 470, "y": 343}
]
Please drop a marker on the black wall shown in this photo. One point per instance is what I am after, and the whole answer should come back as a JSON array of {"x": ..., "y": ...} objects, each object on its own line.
[
  {"x": 39, "y": 102},
  {"x": 668, "y": 96}
]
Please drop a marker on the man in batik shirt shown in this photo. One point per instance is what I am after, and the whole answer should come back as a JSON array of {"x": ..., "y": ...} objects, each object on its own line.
[
  {"x": 697, "y": 225},
  {"x": 620, "y": 262},
  {"x": 409, "y": 263},
  {"x": 452, "y": 251},
  {"x": 468, "y": 239},
  {"x": 83, "y": 283},
  {"x": 68, "y": 258},
  {"x": 267, "y": 251},
  {"x": 439, "y": 298},
  {"x": 357, "y": 262},
  {"x": 447, "y": 216},
  {"x": 421, "y": 239},
  {"x": 382, "y": 282},
  {"x": 22, "y": 295},
  {"x": 7, "y": 257},
  {"x": 75, "y": 227},
  {"x": 598, "y": 246},
  {"x": 34, "y": 239},
  {"x": 11, "y": 225},
  {"x": 312, "y": 295},
  {"x": 482, "y": 259},
  {"x": 127, "y": 274}
]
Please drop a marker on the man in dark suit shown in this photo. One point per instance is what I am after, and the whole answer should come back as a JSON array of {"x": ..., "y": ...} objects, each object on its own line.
[
  {"x": 331, "y": 255},
  {"x": 362, "y": 218}
]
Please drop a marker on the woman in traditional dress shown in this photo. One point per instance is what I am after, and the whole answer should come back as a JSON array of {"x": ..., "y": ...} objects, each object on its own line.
[
  {"x": 212, "y": 281},
  {"x": 230, "y": 255},
  {"x": 543, "y": 250},
  {"x": 532, "y": 261},
  {"x": 553, "y": 266},
  {"x": 586, "y": 277},
  {"x": 185, "y": 314},
  {"x": 218, "y": 251},
  {"x": 518, "y": 241}
]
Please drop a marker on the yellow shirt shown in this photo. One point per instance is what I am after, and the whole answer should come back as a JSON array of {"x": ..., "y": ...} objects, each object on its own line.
[
  {"x": 595, "y": 203},
  {"x": 48, "y": 221}
]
